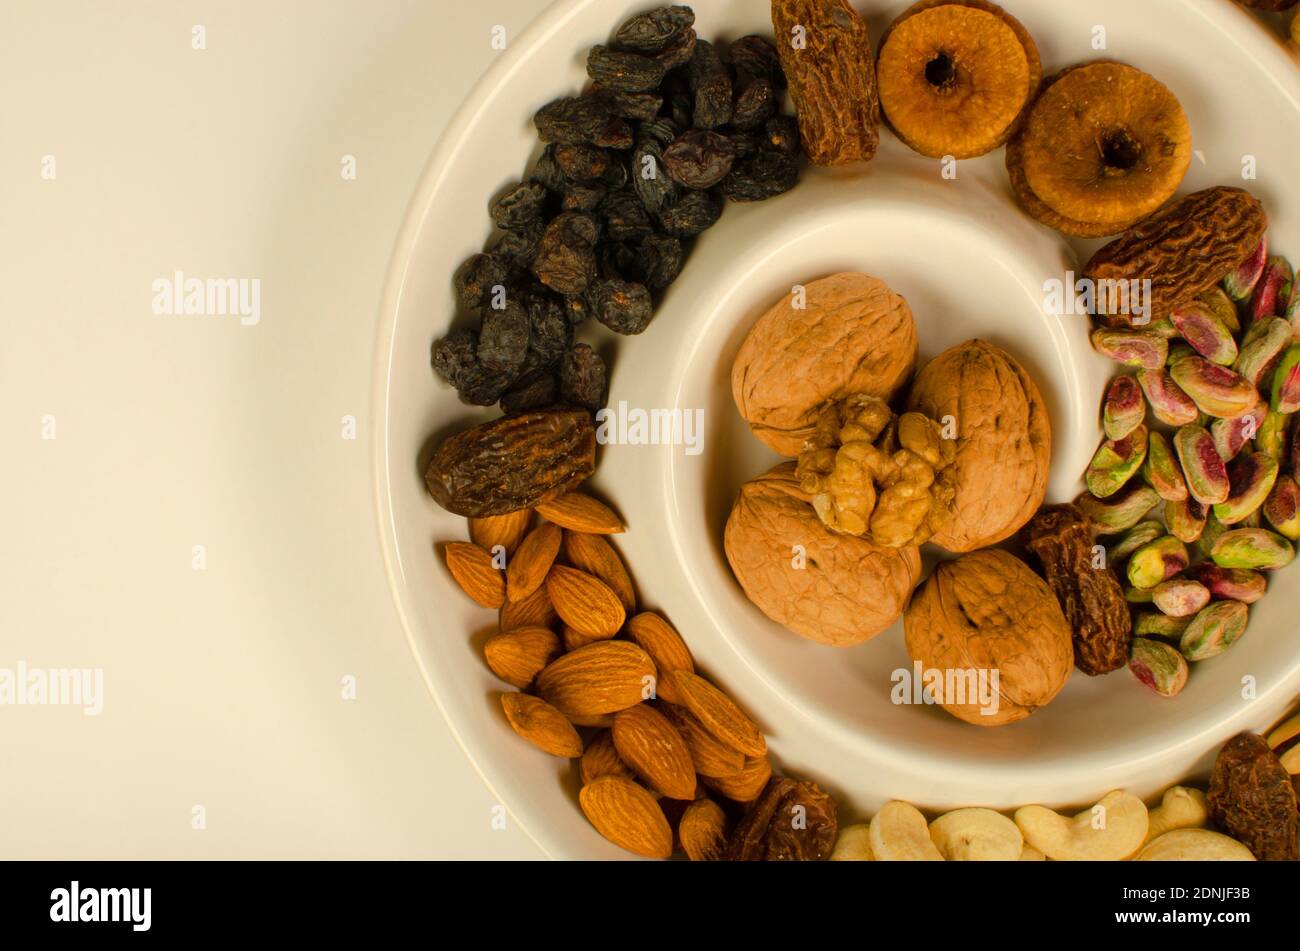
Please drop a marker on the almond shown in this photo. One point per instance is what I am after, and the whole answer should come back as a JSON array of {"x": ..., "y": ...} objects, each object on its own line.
[
  {"x": 575, "y": 639},
  {"x": 703, "y": 831},
  {"x": 472, "y": 568},
  {"x": 746, "y": 785},
  {"x": 597, "y": 679},
  {"x": 627, "y": 815},
  {"x": 581, "y": 513},
  {"x": 655, "y": 751},
  {"x": 601, "y": 759},
  {"x": 584, "y": 602},
  {"x": 718, "y": 713},
  {"x": 541, "y": 725},
  {"x": 505, "y": 530},
  {"x": 530, "y": 564},
  {"x": 665, "y": 647},
  {"x": 533, "y": 611},
  {"x": 518, "y": 656},
  {"x": 594, "y": 555},
  {"x": 602, "y": 721},
  {"x": 710, "y": 755}
]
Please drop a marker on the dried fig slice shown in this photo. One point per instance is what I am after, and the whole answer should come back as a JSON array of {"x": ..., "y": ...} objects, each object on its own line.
[
  {"x": 1039, "y": 210},
  {"x": 1106, "y": 143},
  {"x": 953, "y": 80}
]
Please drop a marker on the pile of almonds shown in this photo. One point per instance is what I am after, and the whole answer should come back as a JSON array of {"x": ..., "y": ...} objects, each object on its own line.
[{"x": 667, "y": 760}]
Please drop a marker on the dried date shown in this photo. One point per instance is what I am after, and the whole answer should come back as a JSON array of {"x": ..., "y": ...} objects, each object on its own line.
[
  {"x": 1251, "y": 798},
  {"x": 791, "y": 821},
  {"x": 513, "y": 463},
  {"x": 1185, "y": 249},
  {"x": 832, "y": 78},
  {"x": 1060, "y": 537}
]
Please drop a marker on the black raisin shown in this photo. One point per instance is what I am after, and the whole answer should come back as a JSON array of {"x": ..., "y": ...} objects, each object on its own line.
[
  {"x": 651, "y": 31},
  {"x": 640, "y": 106},
  {"x": 573, "y": 120},
  {"x": 693, "y": 213},
  {"x": 761, "y": 177},
  {"x": 566, "y": 259},
  {"x": 476, "y": 277},
  {"x": 711, "y": 86},
  {"x": 619, "y": 259},
  {"x": 649, "y": 179},
  {"x": 519, "y": 206},
  {"x": 625, "y": 217},
  {"x": 626, "y": 72},
  {"x": 755, "y": 56},
  {"x": 531, "y": 391},
  {"x": 781, "y": 134},
  {"x": 503, "y": 338},
  {"x": 615, "y": 134},
  {"x": 519, "y": 247},
  {"x": 455, "y": 355},
  {"x": 549, "y": 326},
  {"x": 576, "y": 309},
  {"x": 547, "y": 171},
  {"x": 615, "y": 177},
  {"x": 622, "y": 306},
  {"x": 699, "y": 159},
  {"x": 755, "y": 105},
  {"x": 743, "y": 144},
  {"x": 582, "y": 378},
  {"x": 659, "y": 131},
  {"x": 583, "y": 197},
  {"x": 660, "y": 261},
  {"x": 678, "y": 52},
  {"x": 582, "y": 163}
]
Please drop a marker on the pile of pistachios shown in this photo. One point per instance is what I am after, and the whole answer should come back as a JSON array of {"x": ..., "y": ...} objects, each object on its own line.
[{"x": 1221, "y": 376}]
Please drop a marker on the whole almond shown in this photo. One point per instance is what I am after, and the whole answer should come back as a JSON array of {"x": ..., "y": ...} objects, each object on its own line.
[
  {"x": 718, "y": 713},
  {"x": 584, "y": 602},
  {"x": 575, "y": 639},
  {"x": 581, "y": 513},
  {"x": 665, "y": 647},
  {"x": 710, "y": 755},
  {"x": 518, "y": 656},
  {"x": 541, "y": 725},
  {"x": 505, "y": 530},
  {"x": 601, "y": 721},
  {"x": 655, "y": 751},
  {"x": 627, "y": 815},
  {"x": 473, "y": 570},
  {"x": 597, "y": 679},
  {"x": 535, "y": 610},
  {"x": 703, "y": 831},
  {"x": 600, "y": 758},
  {"x": 530, "y": 564},
  {"x": 594, "y": 555},
  {"x": 746, "y": 785}
]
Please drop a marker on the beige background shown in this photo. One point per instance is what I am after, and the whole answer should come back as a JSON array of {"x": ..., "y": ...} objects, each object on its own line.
[{"x": 223, "y": 686}]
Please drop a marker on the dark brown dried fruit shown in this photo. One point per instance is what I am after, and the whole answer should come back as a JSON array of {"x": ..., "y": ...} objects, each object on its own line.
[
  {"x": 791, "y": 821},
  {"x": 659, "y": 261},
  {"x": 832, "y": 78},
  {"x": 625, "y": 72},
  {"x": 679, "y": 50},
  {"x": 518, "y": 247},
  {"x": 649, "y": 179},
  {"x": 699, "y": 159},
  {"x": 641, "y": 106},
  {"x": 582, "y": 163},
  {"x": 584, "y": 198},
  {"x": 692, "y": 214},
  {"x": 622, "y": 306},
  {"x": 503, "y": 339},
  {"x": 781, "y": 134},
  {"x": 520, "y": 206},
  {"x": 476, "y": 277},
  {"x": 1060, "y": 537},
  {"x": 582, "y": 378},
  {"x": 710, "y": 81},
  {"x": 1252, "y": 799},
  {"x": 455, "y": 358},
  {"x": 1185, "y": 249},
  {"x": 755, "y": 105},
  {"x": 755, "y": 57},
  {"x": 625, "y": 217},
  {"x": 651, "y": 31},
  {"x": 575, "y": 120},
  {"x": 532, "y": 391},
  {"x": 763, "y": 176},
  {"x": 512, "y": 463},
  {"x": 566, "y": 259}
]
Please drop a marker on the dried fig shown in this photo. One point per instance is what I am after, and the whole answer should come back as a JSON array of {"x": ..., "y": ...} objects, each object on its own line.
[
  {"x": 1004, "y": 440},
  {"x": 1252, "y": 799},
  {"x": 828, "y": 587},
  {"x": 836, "y": 337},
  {"x": 987, "y": 612}
]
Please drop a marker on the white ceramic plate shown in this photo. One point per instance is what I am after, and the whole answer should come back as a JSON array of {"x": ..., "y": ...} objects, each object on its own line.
[{"x": 970, "y": 264}]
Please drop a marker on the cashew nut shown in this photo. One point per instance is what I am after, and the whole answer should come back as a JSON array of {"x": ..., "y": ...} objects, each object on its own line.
[
  {"x": 976, "y": 835},
  {"x": 1181, "y": 807},
  {"x": 853, "y": 844},
  {"x": 1195, "y": 845},
  {"x": 1111, "y": 830},
  {"x": 899, "y": 834},
  {"x": 1031, "y": 854}
]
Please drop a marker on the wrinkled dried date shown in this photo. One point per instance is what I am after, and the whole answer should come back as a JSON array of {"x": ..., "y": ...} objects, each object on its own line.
[
  {"x": 1252, "y": 799},
  {"x": 769, "y": 832},
  {"x": 832, "y": 78},
  {"x": 513, "y": 463},
  {"x": 1060, "y": 537}
]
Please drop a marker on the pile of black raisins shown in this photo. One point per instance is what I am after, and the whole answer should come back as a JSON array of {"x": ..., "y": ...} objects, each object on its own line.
[{"x": 633, "y": 169}]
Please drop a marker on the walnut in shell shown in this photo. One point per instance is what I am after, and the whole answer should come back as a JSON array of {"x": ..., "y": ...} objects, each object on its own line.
[
  {"x": 1004, "y": 440},
  {"x": 987, "y": 611},
  {"x": 851, "y": 335},
  {"x": 832, "y": 588}
]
